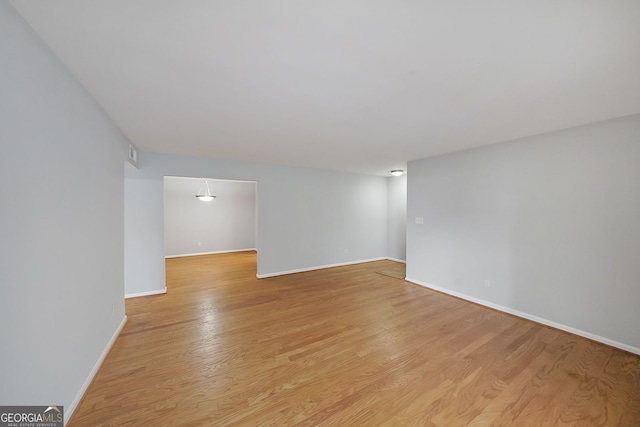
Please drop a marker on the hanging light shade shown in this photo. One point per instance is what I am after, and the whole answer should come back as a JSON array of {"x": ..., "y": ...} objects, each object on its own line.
[{"x": 205, "y": 197}]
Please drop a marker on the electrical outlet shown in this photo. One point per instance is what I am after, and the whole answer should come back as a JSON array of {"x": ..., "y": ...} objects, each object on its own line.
[
  {"x": 487, "y": 283},
  {"x": 113, "y": 309},
  {"x": 199, "y": 243},
  {"x": 419, "y": 220}
]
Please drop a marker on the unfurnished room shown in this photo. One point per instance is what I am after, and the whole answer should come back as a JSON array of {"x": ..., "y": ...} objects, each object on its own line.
[{"x": 338, "y": 213}]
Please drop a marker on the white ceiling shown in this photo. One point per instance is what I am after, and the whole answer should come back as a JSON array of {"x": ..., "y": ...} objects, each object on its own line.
[
  {"x": 360, "y": 86},
  {"x": 223, "y": 189}
]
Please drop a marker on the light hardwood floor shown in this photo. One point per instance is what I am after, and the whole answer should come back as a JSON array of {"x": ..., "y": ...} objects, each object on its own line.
[{"x": 345, "y": 347}]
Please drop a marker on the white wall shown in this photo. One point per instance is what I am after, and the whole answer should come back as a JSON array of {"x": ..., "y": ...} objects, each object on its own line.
[
  {"x": 61, "y": 224},
  {"x": 397, "y": 217},
  {"x": 144, "y": 273},
  {"x": 307, "y": 218},
  {"x": 553, "y": 221},
  {"x": 227, "y": 223}
]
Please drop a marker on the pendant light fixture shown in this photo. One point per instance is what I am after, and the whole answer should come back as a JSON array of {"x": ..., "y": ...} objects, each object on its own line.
[{"x": 205, "y": 197}]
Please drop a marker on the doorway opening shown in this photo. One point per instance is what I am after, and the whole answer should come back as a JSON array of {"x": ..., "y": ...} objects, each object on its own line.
[{"x": 228, "y": 223}]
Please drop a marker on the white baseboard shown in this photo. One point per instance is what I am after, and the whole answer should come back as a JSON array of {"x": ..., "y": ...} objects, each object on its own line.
[
  {"x": 397, "y": 260},
  {"x": 147, "y": 293},
  {"x": 320, "y": 267},
  {"x": 210, "y": 253},
  {"x": 68, "y": 411},
  {"x": 531, "y": 317}
]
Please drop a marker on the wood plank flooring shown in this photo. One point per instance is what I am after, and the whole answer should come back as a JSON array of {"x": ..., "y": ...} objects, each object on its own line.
[{"x": 345, "y": 347}]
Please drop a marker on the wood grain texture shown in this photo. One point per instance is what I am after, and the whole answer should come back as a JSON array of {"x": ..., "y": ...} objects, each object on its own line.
[{"x": 345, "y": 346}]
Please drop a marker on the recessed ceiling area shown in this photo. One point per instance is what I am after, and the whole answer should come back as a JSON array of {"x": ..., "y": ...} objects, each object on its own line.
[{"x": 345, "y": 85}]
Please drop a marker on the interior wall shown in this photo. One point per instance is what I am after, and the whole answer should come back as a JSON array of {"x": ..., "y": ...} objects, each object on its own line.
[
  {"x": 307, "y": 218},
  {"x": 227, "y": 223},
  {"x": 397, "y": 217},
  {"x": 61, "y": 224},
  {"x": 552, "y": 221},
  {"x": 143, "y": 235}
]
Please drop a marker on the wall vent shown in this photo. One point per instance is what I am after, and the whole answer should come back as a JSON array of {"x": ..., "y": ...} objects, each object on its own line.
[{"x": 133, "y": 155}]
